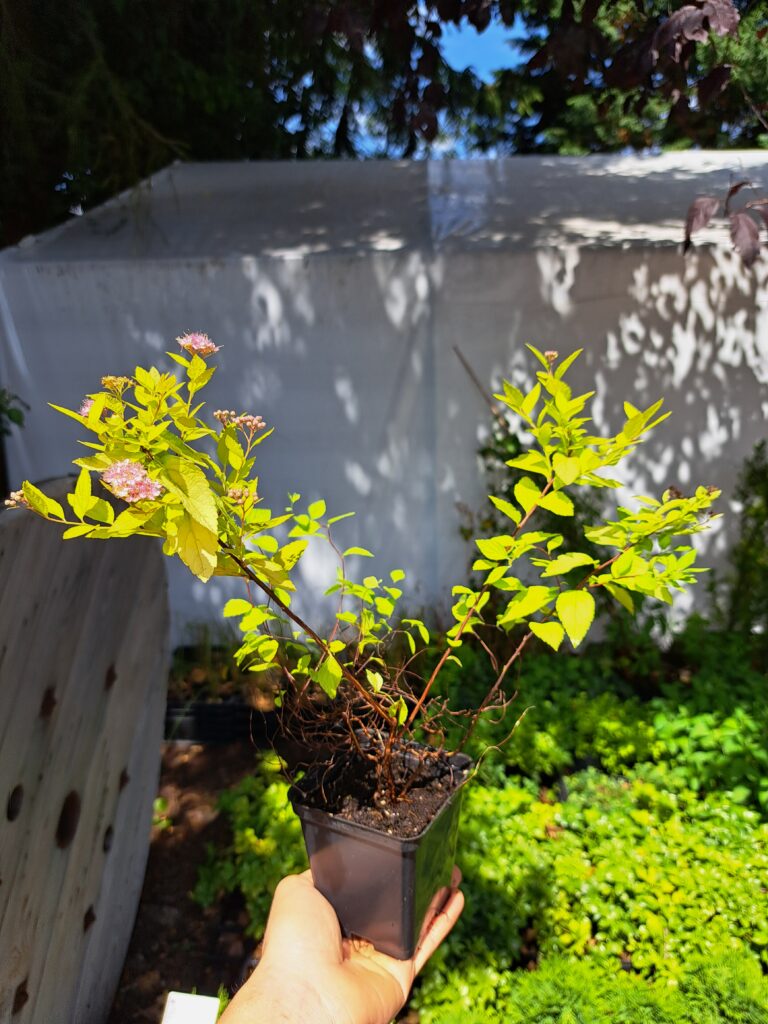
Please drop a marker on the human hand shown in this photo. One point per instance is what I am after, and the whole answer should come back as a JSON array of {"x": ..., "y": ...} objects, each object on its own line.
[{"x": 309, "y": 974}]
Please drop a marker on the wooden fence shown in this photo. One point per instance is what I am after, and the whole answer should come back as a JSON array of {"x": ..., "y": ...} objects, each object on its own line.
[{"x": 83, "y": 668}]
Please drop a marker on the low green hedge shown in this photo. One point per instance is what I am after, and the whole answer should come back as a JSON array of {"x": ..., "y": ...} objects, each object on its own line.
[
  {"x": 618, "y": 844},
  {"x": 622, "y": 875},
  {"x": 721, "y": 989},
  {"x": 707, "y": 725},
  {"x": 622, "y": 872}
]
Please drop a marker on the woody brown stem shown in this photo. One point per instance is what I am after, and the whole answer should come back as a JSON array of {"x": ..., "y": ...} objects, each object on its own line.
[
  {"x": 464, "y": 622},
  {"x": 349, "y": 676}
]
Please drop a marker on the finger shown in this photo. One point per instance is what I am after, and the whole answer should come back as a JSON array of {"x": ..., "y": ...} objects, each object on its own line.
[{"x": 439, "y": 929}]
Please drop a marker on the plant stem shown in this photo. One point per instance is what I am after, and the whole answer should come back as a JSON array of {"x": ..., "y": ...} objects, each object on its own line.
[
  {"x": 463, "y": 625},
  {"x": 349, "y": 676},
  {"x": 495, "y": 688}
]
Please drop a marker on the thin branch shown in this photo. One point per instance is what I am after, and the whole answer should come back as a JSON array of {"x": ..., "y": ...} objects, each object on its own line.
[
  {"x": 499, "y": 416},
  {"x": 308, "y": 630}
]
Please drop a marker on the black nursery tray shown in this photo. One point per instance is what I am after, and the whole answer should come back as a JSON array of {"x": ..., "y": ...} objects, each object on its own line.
[{"x": 220, "y": 722}]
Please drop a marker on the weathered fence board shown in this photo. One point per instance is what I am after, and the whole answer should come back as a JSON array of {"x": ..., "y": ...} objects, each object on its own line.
[{"x": 83, "y": 664}]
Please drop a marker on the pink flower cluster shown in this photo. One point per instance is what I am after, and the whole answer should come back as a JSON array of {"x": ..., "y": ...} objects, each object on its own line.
[
  {"x": 85, "y": 406},
  {"x": 130, "y": 481},
  {"x": 197, "y": 344},
  {"x": 245, "y": 420}
]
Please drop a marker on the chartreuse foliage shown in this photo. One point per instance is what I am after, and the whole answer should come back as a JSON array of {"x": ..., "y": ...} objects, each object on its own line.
[
  {"x": 196, "y": 487},
  {"x": 642, "y": 553},
  {"x": 207, "y": 510}
]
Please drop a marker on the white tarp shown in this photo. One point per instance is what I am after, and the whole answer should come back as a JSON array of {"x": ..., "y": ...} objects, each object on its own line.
[{"x": 338, "y": 291}]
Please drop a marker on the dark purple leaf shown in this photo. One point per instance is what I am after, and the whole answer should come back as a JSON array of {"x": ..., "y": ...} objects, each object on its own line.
[
  {"x": 631, "y": 65},
  {"x": 427, "y": 63},
  {"x": 682, "y": 26},
  {"x": 679, "y": 113},
  {"x": 539, "y": 60},
  {"x": 435, "y": 96},
  {"x": 733, "y": 190},
  {"x": 722, "y": 16},
  {"x": 713, "y": 84},
  {"x": 745, "y": 236},
  {"x": 508, "y": 12},
  {"x": 700, "y": 213},
  {"x": 761, "y": 209},
  {"x": 449, "y": 10},
  {"x": 426, "y": 122},
  {"x": 479, "y": 14}
]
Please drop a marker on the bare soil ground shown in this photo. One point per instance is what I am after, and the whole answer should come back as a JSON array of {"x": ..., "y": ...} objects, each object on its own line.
[{"x": 176, "y": 945}]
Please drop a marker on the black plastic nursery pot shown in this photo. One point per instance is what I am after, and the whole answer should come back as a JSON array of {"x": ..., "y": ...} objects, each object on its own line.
[{"x": 383, "y": 888}]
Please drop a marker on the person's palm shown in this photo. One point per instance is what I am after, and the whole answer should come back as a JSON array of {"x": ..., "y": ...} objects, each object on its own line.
[{"x": 310, "y": 974}]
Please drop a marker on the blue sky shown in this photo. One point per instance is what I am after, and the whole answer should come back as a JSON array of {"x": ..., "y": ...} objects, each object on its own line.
[{"x": 484, "y": 51}]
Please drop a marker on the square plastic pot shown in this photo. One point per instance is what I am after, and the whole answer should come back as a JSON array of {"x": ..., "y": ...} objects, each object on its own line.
[{"x": 383, "y": 888}]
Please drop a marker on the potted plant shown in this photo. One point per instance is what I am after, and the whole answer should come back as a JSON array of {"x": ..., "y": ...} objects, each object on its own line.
[{"x": 370, "y": 797}]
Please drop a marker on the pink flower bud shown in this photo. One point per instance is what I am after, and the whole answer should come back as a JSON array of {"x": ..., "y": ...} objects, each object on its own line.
[{"x": 16, "y": 499}]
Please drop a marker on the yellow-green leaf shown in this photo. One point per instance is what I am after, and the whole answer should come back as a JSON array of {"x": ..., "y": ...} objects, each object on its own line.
[
  {"x": 81, "y": 530},
  {"x": 562, "y": 367},
  {"x": 530, "y": 400},
  {"x": 576, "y": 610},
  {"x": 80, "y": 500},
  {"x": 328, "y": 675},
  {"x": 621, "y": 596},
  {"x": 399, "y": 711},
  {"x": 507, "y": 508},
  {"x": 526, "y": 493},
  {"x": 492, "y": 547},
  {"x": 291, "y": 553},
  {"x": 197, "y": 547},
  {"x": 190, "y": 485},
  {"x": 375, "y": 680},
  {"x": 531, "y": 462},
  {"x": 236, "y": 606},
  {"x": 40, "y": 502},
  {"x": 567, "y": 468},
  {"x": 558, "y": 503},
  {"x": 564, "y": 563},
  {"x": 551, "y": 633},
  {"x": 525, "y": 603}
]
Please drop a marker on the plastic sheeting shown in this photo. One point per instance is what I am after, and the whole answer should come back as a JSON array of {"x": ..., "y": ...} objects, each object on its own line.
[{"x": 339, "y": 292}]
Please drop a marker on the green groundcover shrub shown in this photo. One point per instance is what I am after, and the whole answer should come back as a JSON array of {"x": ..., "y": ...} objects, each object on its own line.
[
  {"x": 707, "y": 727},
  {"x": 639, "y": 899},
  {"x": 728, "y": 987}
]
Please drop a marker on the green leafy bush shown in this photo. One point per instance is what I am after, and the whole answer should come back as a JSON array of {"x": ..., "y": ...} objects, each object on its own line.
[
  {"x": 707, "y": 726},
  {"x": 635, "y": 884},
  {"x": 723, "y": 988},
  {"x": 744, "y": 591},
  {"x": 266, "y": 844},
  {"x": 622, "y": 871}
]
